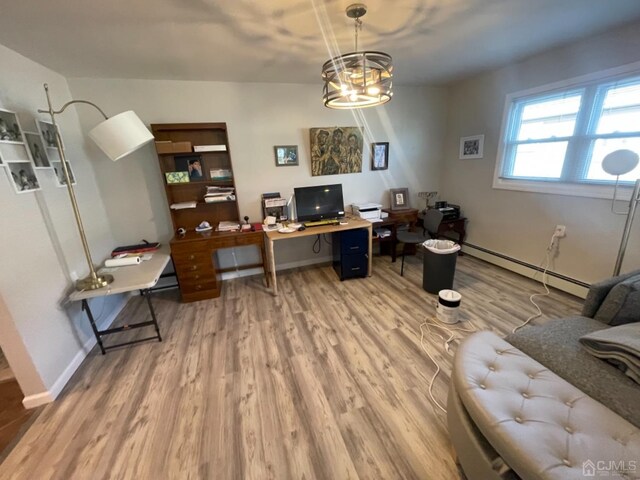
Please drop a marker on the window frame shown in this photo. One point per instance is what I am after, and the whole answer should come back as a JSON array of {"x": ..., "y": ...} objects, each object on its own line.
[{"x": 592, "y": 85}]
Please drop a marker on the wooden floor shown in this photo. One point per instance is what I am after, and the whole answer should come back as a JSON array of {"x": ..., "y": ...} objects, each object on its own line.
[{"x": 327, "y": 381}]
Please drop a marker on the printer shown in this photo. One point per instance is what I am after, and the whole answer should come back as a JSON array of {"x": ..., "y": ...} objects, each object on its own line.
[
  {"x": 449, "y": 210},
  {"x": 367, "y": 211}
]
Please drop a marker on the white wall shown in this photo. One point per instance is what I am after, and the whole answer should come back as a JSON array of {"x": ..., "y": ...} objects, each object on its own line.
[
  {"x": 520, "y": 224},
  {"x": 40, "y": 245},
  {"x": 259, "y": 116}
]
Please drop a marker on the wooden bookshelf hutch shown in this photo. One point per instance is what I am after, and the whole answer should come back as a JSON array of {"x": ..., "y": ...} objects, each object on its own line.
[{"x": 193, "y": 252}]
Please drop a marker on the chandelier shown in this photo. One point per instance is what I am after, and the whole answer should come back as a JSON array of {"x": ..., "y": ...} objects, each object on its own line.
[{"x": 357, "y": 79}]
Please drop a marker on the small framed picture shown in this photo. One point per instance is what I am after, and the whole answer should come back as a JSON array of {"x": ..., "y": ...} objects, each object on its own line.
[
  {"x": 399, "y": 198},
  {"x": 23, "y": 177},
  {"x": 38, "y": 152},
  {"x": 286, "y": 155},
  {"x": 472, "y": 147},
  {"x": 62, "y": 181},
  {"x": 192, "y": 164},
  {"x": 48, "y": 134},
  {"x": 10, "y": 131},
  {"x": 380, "y": 156}
]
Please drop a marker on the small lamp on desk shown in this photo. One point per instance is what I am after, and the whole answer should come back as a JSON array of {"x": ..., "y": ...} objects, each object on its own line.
[{"x": 117, "y": 137}]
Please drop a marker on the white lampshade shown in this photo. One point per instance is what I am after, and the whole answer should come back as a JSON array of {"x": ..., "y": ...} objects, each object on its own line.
[
  {"x": 121, "y": 135},
  {"x": 620, "y": 162}
]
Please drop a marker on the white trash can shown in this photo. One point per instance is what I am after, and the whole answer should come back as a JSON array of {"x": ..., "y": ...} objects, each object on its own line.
[{"x": 448, "y": 306}]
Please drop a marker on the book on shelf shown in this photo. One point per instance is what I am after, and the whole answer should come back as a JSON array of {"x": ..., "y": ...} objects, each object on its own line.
[
  {"x": 217, "y": 198},
  {"x": 227, "y": 226},
  {"x": 220, "y": 174},
  {"x": 209, "y": 148},
  {"x": 183, "y": 205}
]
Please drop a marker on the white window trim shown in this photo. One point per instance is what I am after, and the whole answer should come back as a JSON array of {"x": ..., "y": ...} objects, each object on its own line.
[{"x": 557, "y": 187}]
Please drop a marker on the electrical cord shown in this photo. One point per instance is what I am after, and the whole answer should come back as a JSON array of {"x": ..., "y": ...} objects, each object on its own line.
[
  {"x": 447, "y": 341},
  {"x": 317, "y": 244},
  {"x": 546, "y": 293}
]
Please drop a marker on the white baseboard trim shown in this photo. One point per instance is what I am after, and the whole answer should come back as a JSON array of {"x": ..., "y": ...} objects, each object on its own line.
[
  {"x": 284, "y": 266},
  {"x": 560, "y": 284},
  {"x": 38, "y": 399}
]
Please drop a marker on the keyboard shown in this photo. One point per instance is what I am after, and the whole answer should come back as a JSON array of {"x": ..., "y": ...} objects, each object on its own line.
[{"x": 322, "y": 223}]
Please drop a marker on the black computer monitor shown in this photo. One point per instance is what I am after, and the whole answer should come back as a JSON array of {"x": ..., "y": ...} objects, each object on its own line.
[{"x": 319, "y": 202}]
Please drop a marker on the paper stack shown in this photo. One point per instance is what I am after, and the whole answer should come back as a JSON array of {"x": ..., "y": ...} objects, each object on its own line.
[
  {"x": 228, "y": 226},
  {"x": 219, "y": 194},
  {"x": 382, "y": 232},
  {"x": 181, "y": 205}
]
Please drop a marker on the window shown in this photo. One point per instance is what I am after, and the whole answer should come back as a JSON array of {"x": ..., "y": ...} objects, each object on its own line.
[{"x": 560, "y": 136}]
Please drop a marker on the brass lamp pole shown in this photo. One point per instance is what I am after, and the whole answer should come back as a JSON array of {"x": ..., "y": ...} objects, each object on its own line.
[
  {"x": 117, "y": 137},
  {"x": 93, "y": 281}
]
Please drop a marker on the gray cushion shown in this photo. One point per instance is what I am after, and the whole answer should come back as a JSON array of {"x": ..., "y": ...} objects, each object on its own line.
[
  {"x": 622, "y": 304},
  {"x": 556, "y": 345},
  {"x": 599, "y": 291}
]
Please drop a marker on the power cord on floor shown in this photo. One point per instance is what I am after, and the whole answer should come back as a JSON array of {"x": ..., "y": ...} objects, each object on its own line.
[
  {"x": 546, "y": 293},
  {"x": 451, "y": 336}
]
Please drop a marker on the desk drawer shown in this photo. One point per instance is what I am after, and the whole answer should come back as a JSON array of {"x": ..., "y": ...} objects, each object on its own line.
[
  {"x": 197, "y": 276},
  {"x": 191, "y": 285},
  {"x": 239, "y": 240},
  {"x": 354, "y": 241},
  {"x": 185, "y": 248},
  {"x": 189, "y": 268},
  {"x": 191, "y": 257}
]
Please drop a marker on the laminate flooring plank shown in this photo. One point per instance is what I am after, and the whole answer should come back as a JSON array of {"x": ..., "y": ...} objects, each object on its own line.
[{"x": 326, "y": 381}]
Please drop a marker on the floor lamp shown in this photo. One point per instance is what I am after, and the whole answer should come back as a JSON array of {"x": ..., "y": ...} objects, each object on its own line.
[
  {"x": 117, "y": 137},
  {"x": 618, "y": 163}
]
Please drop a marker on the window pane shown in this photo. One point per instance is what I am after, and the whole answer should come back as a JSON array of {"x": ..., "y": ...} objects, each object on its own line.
[
  {"x": 539, "y": 160},
  {"x": 601, "y": 148},
  {"x": 549, "y": 118},
  {"x": 620, "y": 110}
]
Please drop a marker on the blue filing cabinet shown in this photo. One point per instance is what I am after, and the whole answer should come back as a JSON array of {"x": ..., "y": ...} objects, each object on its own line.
[{"x": 351, "y": 253}]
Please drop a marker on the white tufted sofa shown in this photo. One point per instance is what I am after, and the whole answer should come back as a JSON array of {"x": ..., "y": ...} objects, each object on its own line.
[{"x": 510, "y": 417}]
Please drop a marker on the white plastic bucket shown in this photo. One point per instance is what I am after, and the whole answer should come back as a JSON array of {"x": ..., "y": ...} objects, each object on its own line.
[{"x": 448, "y": 306}]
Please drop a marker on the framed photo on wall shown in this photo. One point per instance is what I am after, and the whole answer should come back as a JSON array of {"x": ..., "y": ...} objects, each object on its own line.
[
  {"x": 10, "y": 130},
  {"x": 38, "y": 152},
  {"x": 286, "y": 155},
  {"x": 380, "y": 156},
  {"x": 23, "y": 177},
  {"x": 48, "y": 134},
  {"x": 472, "y": 147},
  {"x": 399, "y": 198}
]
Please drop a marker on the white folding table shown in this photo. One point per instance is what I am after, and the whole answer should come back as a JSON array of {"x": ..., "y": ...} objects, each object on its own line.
[{"x": 143, "y": 277}]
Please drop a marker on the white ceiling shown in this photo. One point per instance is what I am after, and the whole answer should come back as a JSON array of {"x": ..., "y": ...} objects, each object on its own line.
[{"x": 431, "y": 41}]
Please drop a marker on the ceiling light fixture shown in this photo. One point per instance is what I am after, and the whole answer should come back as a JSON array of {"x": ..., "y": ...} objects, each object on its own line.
[{"x": 357, "y": 79}]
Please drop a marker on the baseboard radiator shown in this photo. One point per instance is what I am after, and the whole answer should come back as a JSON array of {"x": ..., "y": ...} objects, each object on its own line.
[{"x": 557, "y": 280}]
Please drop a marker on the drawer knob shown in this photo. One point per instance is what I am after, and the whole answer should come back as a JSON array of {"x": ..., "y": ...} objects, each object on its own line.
[
  {"x": 193, "y": 268},
  {"x": 197, "y": 277},
  {"x": 191, "y": 257},
  {"x": 198, "y": 287}
]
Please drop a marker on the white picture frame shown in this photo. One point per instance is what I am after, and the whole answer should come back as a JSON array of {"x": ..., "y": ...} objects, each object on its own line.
[
  {"x": 47, "y": 133},
  {"x": 23, "y": 177},
  {"x": 471, "y": 147},
  {"x": 37, "y": 150},
  {"x": 10, "y": 129},
  {"x": 60, "y": 180}
]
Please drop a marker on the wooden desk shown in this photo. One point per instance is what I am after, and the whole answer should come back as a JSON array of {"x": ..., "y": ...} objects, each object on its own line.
[
  {"x": 193, "y": 257},
  {"x": 274, "y": 236},
  {"x": 399, "y": 217},
  {"x": 127, "y": 279}
]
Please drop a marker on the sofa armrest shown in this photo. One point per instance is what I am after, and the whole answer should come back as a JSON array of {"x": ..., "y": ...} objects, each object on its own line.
[{"x": 599, "y": 291}]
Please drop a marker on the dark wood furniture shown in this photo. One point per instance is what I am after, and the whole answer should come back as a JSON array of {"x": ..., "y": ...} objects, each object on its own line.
[
  {"x": 194, "y": 253},
  {"x": 408, "y": 216},
  {"x": 412, "y": 218}
]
